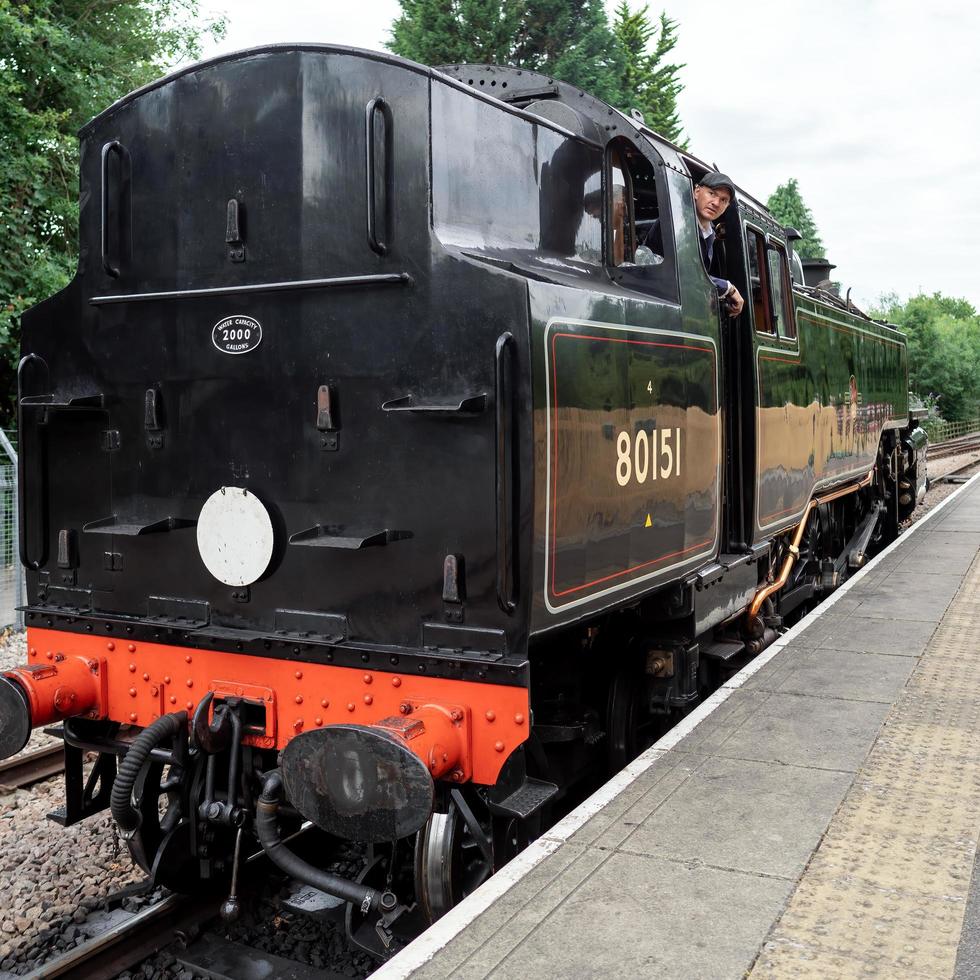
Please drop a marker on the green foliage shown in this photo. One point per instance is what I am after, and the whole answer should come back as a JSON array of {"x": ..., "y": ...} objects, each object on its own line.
[
  {"x": 571, "y": 40},
  {"x": 449, "y": 32},
  {"x": 650, "y": 82},
  {"x": 944, "y": 350},
  {"x": 62, "y": 62},
  {"x": 568, "y": 39},
  {"x": 787, "y": 205}
]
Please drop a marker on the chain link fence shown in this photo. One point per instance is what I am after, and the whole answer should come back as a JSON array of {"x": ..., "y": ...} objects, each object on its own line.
[{"x": 11, "y": 572}]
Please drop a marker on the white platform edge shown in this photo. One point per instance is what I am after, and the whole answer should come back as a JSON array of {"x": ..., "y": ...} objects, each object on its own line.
[{"x": 419, "y": 952}]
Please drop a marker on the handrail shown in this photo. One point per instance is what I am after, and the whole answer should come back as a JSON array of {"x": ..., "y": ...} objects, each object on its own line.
[
  {"x": 35, "y": 460},
  {"x": 334, "y": 282},
  {"x": 377, "y": 104},
  {"x": 113, "y": 146},
  {"x": 507, "y": 479}
]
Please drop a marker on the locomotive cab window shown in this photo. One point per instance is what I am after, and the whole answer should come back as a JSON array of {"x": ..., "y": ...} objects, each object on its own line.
[
  {"x": 769, "y": 280},
  {"x": 639, "y": 236},
  {"x": 782, "y": 291},
  {"x": 758, "y": 263},
  {"x": 622, "y": 229}
]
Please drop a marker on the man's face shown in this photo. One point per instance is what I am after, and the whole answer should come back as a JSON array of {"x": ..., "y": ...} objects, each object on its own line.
[{"x": 711, "y": 202}]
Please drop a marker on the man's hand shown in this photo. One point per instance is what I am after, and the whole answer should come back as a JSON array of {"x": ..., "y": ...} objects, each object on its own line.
[{"x": 733, "y": 301}]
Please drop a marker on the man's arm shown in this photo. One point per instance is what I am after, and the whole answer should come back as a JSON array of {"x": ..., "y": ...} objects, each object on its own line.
[{"x": 731, "y": 296}]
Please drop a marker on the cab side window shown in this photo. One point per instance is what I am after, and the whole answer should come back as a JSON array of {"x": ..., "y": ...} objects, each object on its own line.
[
  {"x": 758, "y": 281},
  {"x": 639, "y": 236},
  {"x": 782, "y": 292},
  {"x": 622, "y": 228}
]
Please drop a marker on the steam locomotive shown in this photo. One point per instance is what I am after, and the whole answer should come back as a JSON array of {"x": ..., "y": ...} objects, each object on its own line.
[{"x": 374, "y": 477}]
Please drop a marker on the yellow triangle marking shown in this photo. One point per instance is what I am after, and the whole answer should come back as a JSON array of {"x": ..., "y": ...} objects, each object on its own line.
[{"x": 648, "y": 523}]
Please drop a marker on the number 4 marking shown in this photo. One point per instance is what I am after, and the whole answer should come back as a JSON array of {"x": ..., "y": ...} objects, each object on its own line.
[{"x": 650, "y": 387}]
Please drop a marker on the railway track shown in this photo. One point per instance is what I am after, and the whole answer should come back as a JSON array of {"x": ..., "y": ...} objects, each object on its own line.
[
  {"x": 130, "y": 939},
  {"x": 957, "y": 474},
  {"x": 953, "y": 447},
  {"x": 32, "y": 767}
]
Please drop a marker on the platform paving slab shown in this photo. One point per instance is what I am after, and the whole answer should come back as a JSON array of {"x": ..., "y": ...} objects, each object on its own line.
[
  {"x": 846, "y": 674},
  {"x": 867, "y": 634},
  {"x": 620, "y": 909},
  {"x": 718, "y": 727},
  {"x": 920, "y": 606},
  {"x": 615, "y": 822},
  {"x": 713, "y": 818},
  {"x": 826, "y": 628},
  {"x": 825, "y": 733}
]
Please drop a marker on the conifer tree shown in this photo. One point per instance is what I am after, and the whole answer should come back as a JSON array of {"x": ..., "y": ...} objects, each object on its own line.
[
  {"x": 447, "y": 32},
  {"x": 568, "y": 39},
  {"x": 787, "y": 205},
  {"x": 571, "y": 40},
  {"x": 648, "y": 82}
]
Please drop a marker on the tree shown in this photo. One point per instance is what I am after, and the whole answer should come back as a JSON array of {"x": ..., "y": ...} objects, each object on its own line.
[
  {"x": 61, "y": 62},
  {"x": 571, "y": 40},
  {"x": 567, "y": 39},
  {"x": 651, "y": 83},
  {"x": 787, "y": 205},
  {"x": 944, "y": 350},
  {"x": 437, "y": 32}
]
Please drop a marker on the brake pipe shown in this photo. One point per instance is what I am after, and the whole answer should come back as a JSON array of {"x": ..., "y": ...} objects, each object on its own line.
[
  {"x": 267, "y": 831},
  {"x": 127, "y": 817}
]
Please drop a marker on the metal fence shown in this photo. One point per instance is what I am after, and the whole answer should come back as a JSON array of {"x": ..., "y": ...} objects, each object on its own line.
[
  {"x": 11, "y": 572},
  {"x": 939, "y": 430}
]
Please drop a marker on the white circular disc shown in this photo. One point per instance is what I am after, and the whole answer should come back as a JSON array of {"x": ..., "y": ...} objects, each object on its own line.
[{"x": 234, "y": 536}]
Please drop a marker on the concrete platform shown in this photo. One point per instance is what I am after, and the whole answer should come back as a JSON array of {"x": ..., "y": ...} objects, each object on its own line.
[{"x": 816, "y": 817}]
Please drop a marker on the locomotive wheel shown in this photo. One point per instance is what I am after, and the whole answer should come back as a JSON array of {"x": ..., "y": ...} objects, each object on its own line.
[
  {"x": 454, "y": 852},
  {"x": 162, "y": 844},
  {"x": 160, "y": 807},
  {"x": 627, "y": 718}
]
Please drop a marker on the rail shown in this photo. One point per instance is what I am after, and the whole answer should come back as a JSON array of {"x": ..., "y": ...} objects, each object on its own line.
[
  {"x": 954, "y": 447},
  {"x": 130, "y": 941},
  {"x": 32, "y": 767}
]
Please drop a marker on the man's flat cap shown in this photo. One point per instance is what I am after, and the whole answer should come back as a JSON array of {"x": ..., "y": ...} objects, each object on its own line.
[{"x": 716, "y": 179}]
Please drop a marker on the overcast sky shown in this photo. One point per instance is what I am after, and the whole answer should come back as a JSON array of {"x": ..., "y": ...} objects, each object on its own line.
[{"x": 873, "y": 105}]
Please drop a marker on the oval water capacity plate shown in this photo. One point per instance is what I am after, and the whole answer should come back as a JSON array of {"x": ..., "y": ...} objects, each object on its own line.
[{"x": 237, "y": 334}]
